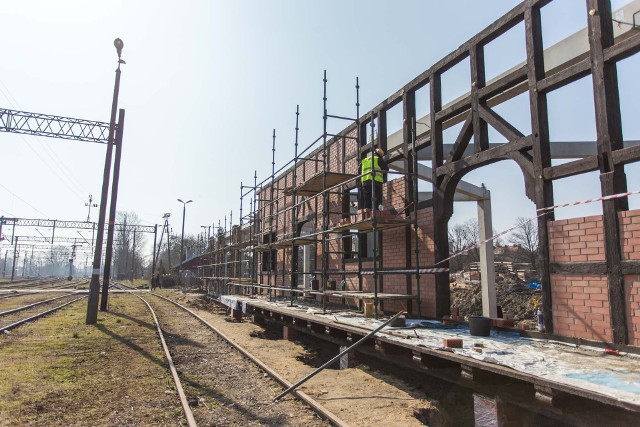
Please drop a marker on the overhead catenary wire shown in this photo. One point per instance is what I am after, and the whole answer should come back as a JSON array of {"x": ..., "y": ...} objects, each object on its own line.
[{"x": 71, "y": 181}]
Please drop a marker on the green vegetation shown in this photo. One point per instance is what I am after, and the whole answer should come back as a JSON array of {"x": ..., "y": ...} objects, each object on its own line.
[{"x": 59, "y": 371}]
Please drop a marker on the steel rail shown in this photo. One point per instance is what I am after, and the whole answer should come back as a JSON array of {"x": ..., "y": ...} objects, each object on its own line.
[
  {"x": 24, "y": 307},
  {"x": 37, "y": 316},
  {"x": 174, "y": 373},
  {"x": 319, "y": 409}
]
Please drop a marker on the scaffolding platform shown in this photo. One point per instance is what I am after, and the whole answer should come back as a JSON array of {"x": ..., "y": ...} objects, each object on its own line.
[
  {"x": 314, "y": 185},
  {"x": 367, "y": 224},
  {"x": 287, "y": 243},
  {"x": 239, "y": 245}
]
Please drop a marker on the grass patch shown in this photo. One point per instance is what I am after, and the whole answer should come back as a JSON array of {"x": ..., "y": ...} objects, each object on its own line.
[{"x": 59, "y": 371}]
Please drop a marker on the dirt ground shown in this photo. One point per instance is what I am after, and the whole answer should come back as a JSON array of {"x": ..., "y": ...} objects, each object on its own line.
[
  {"x": 360, "y": 396},
  {"x": 223, "y": 388},
  {"x": 59, "y": 371}
]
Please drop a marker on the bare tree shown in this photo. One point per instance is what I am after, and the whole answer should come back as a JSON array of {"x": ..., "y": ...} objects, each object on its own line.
[
  {"x": 462, "y": 237},
  {"x": 526, "y": 236},
  {"x": 128, "y": 246}
]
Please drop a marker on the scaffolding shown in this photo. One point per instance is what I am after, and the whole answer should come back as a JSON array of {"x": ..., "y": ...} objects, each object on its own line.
[{"x": 273, "y": 229}]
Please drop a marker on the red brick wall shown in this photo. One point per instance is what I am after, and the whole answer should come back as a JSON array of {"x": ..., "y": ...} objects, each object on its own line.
[
  {"x": 394, "y": 246},
  {"x": 581, "y": 302}
]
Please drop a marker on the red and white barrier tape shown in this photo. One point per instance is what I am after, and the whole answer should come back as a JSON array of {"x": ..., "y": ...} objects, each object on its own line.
[
  {"x": 597, "y": 199},
  {"x": 544, "y": 211}
]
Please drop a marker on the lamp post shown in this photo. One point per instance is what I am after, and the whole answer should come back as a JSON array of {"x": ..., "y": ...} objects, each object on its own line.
[
  {"x": 184, "y": 210},
  {"x": 94, "y": 287}
]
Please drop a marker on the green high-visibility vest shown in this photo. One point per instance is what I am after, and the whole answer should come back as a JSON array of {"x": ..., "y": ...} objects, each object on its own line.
[{"x": 366, "y": 169}]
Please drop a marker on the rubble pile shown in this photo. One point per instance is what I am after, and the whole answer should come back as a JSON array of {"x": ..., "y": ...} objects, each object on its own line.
[{"x": 512, "y": 295}]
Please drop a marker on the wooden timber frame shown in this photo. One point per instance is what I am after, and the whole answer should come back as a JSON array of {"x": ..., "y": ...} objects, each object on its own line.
[{"x": 531, "y": 152}]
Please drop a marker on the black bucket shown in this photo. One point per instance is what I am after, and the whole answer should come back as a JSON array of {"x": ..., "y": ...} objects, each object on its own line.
[{"x": 479, "y": 326}]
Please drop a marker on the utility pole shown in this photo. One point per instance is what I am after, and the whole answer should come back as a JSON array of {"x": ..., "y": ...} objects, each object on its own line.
[
  {"x": 184, "y": 210},
  {"x": 31, "y": 263},
  {"x": 73, "y": 255},
  {"x": 4, "y": 269},
  {"x": 94, "y": 287},
  {"x": 15, "y": 254},
  {"x": 133, "y": 257},
  {"x": 169, "y": 246},
  {"x": 90, "y": 204},
  {"x": 24, "y": 266}
]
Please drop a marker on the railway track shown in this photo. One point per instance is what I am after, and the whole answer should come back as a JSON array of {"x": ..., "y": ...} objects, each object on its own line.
[
  {"x": 9, "y": 320},
  {"x": 174, "y": 342},
  {"x": 14, "y": 315}
]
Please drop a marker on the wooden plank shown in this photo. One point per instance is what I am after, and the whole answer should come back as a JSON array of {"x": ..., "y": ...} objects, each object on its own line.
[
  {"x": 314, "y": 185},
  {"x": 367, "y": 225},
  {"x": 575, "y": 167}
]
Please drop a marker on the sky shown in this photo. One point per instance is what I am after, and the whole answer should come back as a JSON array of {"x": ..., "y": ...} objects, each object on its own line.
[{"x": 206, "y": 82}]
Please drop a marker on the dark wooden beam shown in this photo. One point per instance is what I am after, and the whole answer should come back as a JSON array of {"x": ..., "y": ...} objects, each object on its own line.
[
  {"x": 626, "y": 155},
  {"x": 457, "y": 151},
  {"x": 382, "y": 129},
  {"x": 498, "y": 123},
  {"x": 623, "y": 49},
  {"x": 504, "y": 83},
  {"x": 485, "y": 157},
  {"x": 408, "y": 128},
  {"x": 562, "y": 78},
  {"x": 525, "y": 161},
  {"x": 541, "y": 152},
  {"x": 454, "y": 109},
  {"x": 478, "y": 80},
  {"x": 440, "y": 220},
  {"x": 575, "y": 167},
  {"x": 579, "y": 268},
  {"x": 609, "y": 138}
]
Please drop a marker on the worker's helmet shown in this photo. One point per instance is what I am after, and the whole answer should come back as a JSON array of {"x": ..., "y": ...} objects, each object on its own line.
[{"x": 380, "y": 152}]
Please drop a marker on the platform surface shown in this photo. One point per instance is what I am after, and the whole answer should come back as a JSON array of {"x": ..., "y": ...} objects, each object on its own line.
[{"x": 582, "y": 370}]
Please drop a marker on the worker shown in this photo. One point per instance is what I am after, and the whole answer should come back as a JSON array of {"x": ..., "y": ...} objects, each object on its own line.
[{"x": 372, "y": 181}]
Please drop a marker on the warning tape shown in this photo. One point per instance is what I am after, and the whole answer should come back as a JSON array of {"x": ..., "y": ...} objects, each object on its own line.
[
  {"x": 544, "y": 211},
  {"x": 597, "y": 199}
]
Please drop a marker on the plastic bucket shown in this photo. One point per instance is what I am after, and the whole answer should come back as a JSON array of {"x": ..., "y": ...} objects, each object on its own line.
[{"x": 479, "y": 326}]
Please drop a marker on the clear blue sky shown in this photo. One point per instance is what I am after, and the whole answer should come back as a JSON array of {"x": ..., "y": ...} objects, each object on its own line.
[{"x": 207, "y": 81}]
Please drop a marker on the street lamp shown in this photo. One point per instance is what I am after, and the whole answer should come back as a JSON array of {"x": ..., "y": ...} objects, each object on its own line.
[
  {"x": 94, "y": 286},
  {"x": 184, "y": 210}
]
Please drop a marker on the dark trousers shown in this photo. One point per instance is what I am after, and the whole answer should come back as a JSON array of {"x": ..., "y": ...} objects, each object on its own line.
[{"x": 365, "y": 200}]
